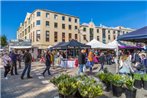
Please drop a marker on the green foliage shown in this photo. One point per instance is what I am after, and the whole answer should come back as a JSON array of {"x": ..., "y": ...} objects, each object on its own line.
[
  {"x": 145, "y": 77},
  {"x": 68, "y": 86},
  {"x": 56, "y": 80},
  {"x": 105, "y": 77},
  {"x": 3, "y": 40},
  {"x": 129, "y": 83},
  {"x": 87, "y": 86},
  {"x": 118, "y": 80},
  {"x": 90, "y": 88},
  {"x": 137, "y": 76}
]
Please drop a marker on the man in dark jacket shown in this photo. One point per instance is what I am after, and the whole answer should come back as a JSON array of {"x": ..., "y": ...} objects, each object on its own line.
[
  {"x": 13, "y": 57},
  {"x": 82, "y": 61},
  {"x": 27, "y": 61},
  {"x": 102, "y": 60}
]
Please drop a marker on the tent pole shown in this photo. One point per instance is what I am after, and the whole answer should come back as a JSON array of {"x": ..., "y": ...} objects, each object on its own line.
[{"x": 117, "y": 66}]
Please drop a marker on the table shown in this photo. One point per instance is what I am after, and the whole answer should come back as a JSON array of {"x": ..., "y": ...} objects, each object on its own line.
[{"x": 67, "y": 63}]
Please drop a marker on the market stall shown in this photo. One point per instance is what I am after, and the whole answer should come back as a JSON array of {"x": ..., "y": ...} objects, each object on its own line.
[{"x": 72, "y": 46}]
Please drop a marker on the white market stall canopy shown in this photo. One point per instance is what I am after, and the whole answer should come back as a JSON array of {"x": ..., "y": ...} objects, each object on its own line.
[
  {"x": 50, "y": 46},
  {"x": 20, "y": 47},
  {"x": 96, "y": 44},
  {"x": 114, "y": 44}
]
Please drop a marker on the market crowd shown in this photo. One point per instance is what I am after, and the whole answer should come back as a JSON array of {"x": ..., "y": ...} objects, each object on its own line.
[{"x": 129, "y": 61}]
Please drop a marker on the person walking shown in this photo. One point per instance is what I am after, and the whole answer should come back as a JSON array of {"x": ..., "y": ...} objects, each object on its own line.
[
  {"x": 90, "y": 60},
  {"x": 27, "y": 61},
  {"x": 6, "y": 62},
  {"x": 13, "y": 57},
  {"x": 81, "y": 61},
  {"x": 19, "y": 57},
  {"x": 102, "y": 60},
  {"x": 47, "y": 63}
]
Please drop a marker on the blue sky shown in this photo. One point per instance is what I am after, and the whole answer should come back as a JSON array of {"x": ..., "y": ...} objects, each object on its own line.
[{"x": 127, "y": 14}]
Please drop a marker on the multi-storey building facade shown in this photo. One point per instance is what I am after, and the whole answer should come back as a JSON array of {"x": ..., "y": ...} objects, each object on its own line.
[
  {"x": 46, "y": 28},
  {"x": 101, "y": 33}
]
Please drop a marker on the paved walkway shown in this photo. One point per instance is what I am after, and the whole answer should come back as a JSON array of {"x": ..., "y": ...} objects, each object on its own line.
[{"x": 40, "y": 87}]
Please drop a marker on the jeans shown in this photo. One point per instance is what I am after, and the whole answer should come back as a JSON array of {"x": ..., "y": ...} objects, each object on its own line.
[
  {"x": 102, "y": 66},
  {"x": 7, "y": 69},
  {"x": 27, "y": 67},
  {"x": 47, "y": 69},
  {"x": 80, "y": 68},
  {"x": 15, "y": 68}
]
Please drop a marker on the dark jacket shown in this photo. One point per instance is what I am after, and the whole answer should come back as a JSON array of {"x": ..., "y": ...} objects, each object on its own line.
[
  {"x": 27, "y": 58},
  {"x": 48, "y": 60},
  {"x": 82, "y": 58},
  {"x": 102, "y": 59},
  {"x": 136, "y": 58},
  {"x": 13, "y": 57}
]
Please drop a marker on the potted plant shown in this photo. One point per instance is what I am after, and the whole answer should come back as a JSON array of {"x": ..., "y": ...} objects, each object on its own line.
[
  {"x": 117, "y": 85},
  {"x": 67, "y": 87},
  {"x": 106, "y": 78},
  {"x": 130, "y": 91},
  {"x": 57, "y": 79},
  {"x": 144, "y": 78},
  {"x": 137, "y": 80},
  {"x": 90, "y": 88}
]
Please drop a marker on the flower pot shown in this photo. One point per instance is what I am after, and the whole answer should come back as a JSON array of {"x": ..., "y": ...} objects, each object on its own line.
[
  {"x": 78, "y": 95},
  {"x": 145, "y": 85},
  {"x": 108, "y": 87},
  {"x": 117, "y": 90},
  {"x": 130, "y": 93},
  {"x": 64, "y": 96},
  {"x": 138, "y": 84}
]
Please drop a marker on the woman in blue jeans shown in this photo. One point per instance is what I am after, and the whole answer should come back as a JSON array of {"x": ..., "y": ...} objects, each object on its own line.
[{"x": 47, "y": 63}]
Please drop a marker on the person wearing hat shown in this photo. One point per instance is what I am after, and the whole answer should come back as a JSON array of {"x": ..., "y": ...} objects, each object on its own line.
[{"x": 6, "y": 62}]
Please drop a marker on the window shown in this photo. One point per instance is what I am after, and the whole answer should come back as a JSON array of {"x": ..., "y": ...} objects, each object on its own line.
[
  {"x": 114, "y": 37},
  {"x": 55, "y": 25},
  {"x": 76, "y": 36},
  {"x": 118, "y": 33},
  {"x": 76, "y": 20},
  {"x": 84, "y": 37},
  {"x": 38, "y": 13},
  {"x": 63, "y": 18},
  {"x": 63, "y": 26},
  {"x": 108, "y": 31},
  {"x": 28, "y": 29},
  {"x": 69, "y": 27},
  {"x": 70, "y": 36},
  {"x": 69, "y": 19},
  {"x": 56, "y": 36},
  {"x": 47, "y": 23},
  {"x": 113, "y": 32},
  {"x": 63, "y": 37},
  {"x": 37, "y": 35},
  {"x": 84, "y": 29},
  {"x": 98, "y": 38},
  {"x": 38, "y": 22},
  {"x": 104, "y": 36},
  {"x": 25, "y": 37},
  {"x": 47, "y": 36},
  {"x": 31, "y": 26},
  {"x": 91, "y": 34},
  {"x": 97, "y": 30},
  {"x": 55, "y": 17},
  {"x": 47, "y": 15},
  {"x": 108, "y": 37},
  {"x": 25, "y": 31},
  {"x": 76, "y": 27}
]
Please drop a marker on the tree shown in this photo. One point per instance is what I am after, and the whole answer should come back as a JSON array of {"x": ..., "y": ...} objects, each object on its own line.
[{"x": 3, "y": 40}]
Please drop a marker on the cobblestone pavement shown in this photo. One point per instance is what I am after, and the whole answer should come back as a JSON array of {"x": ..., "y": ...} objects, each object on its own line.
[{"x": 40, "y": 87}]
